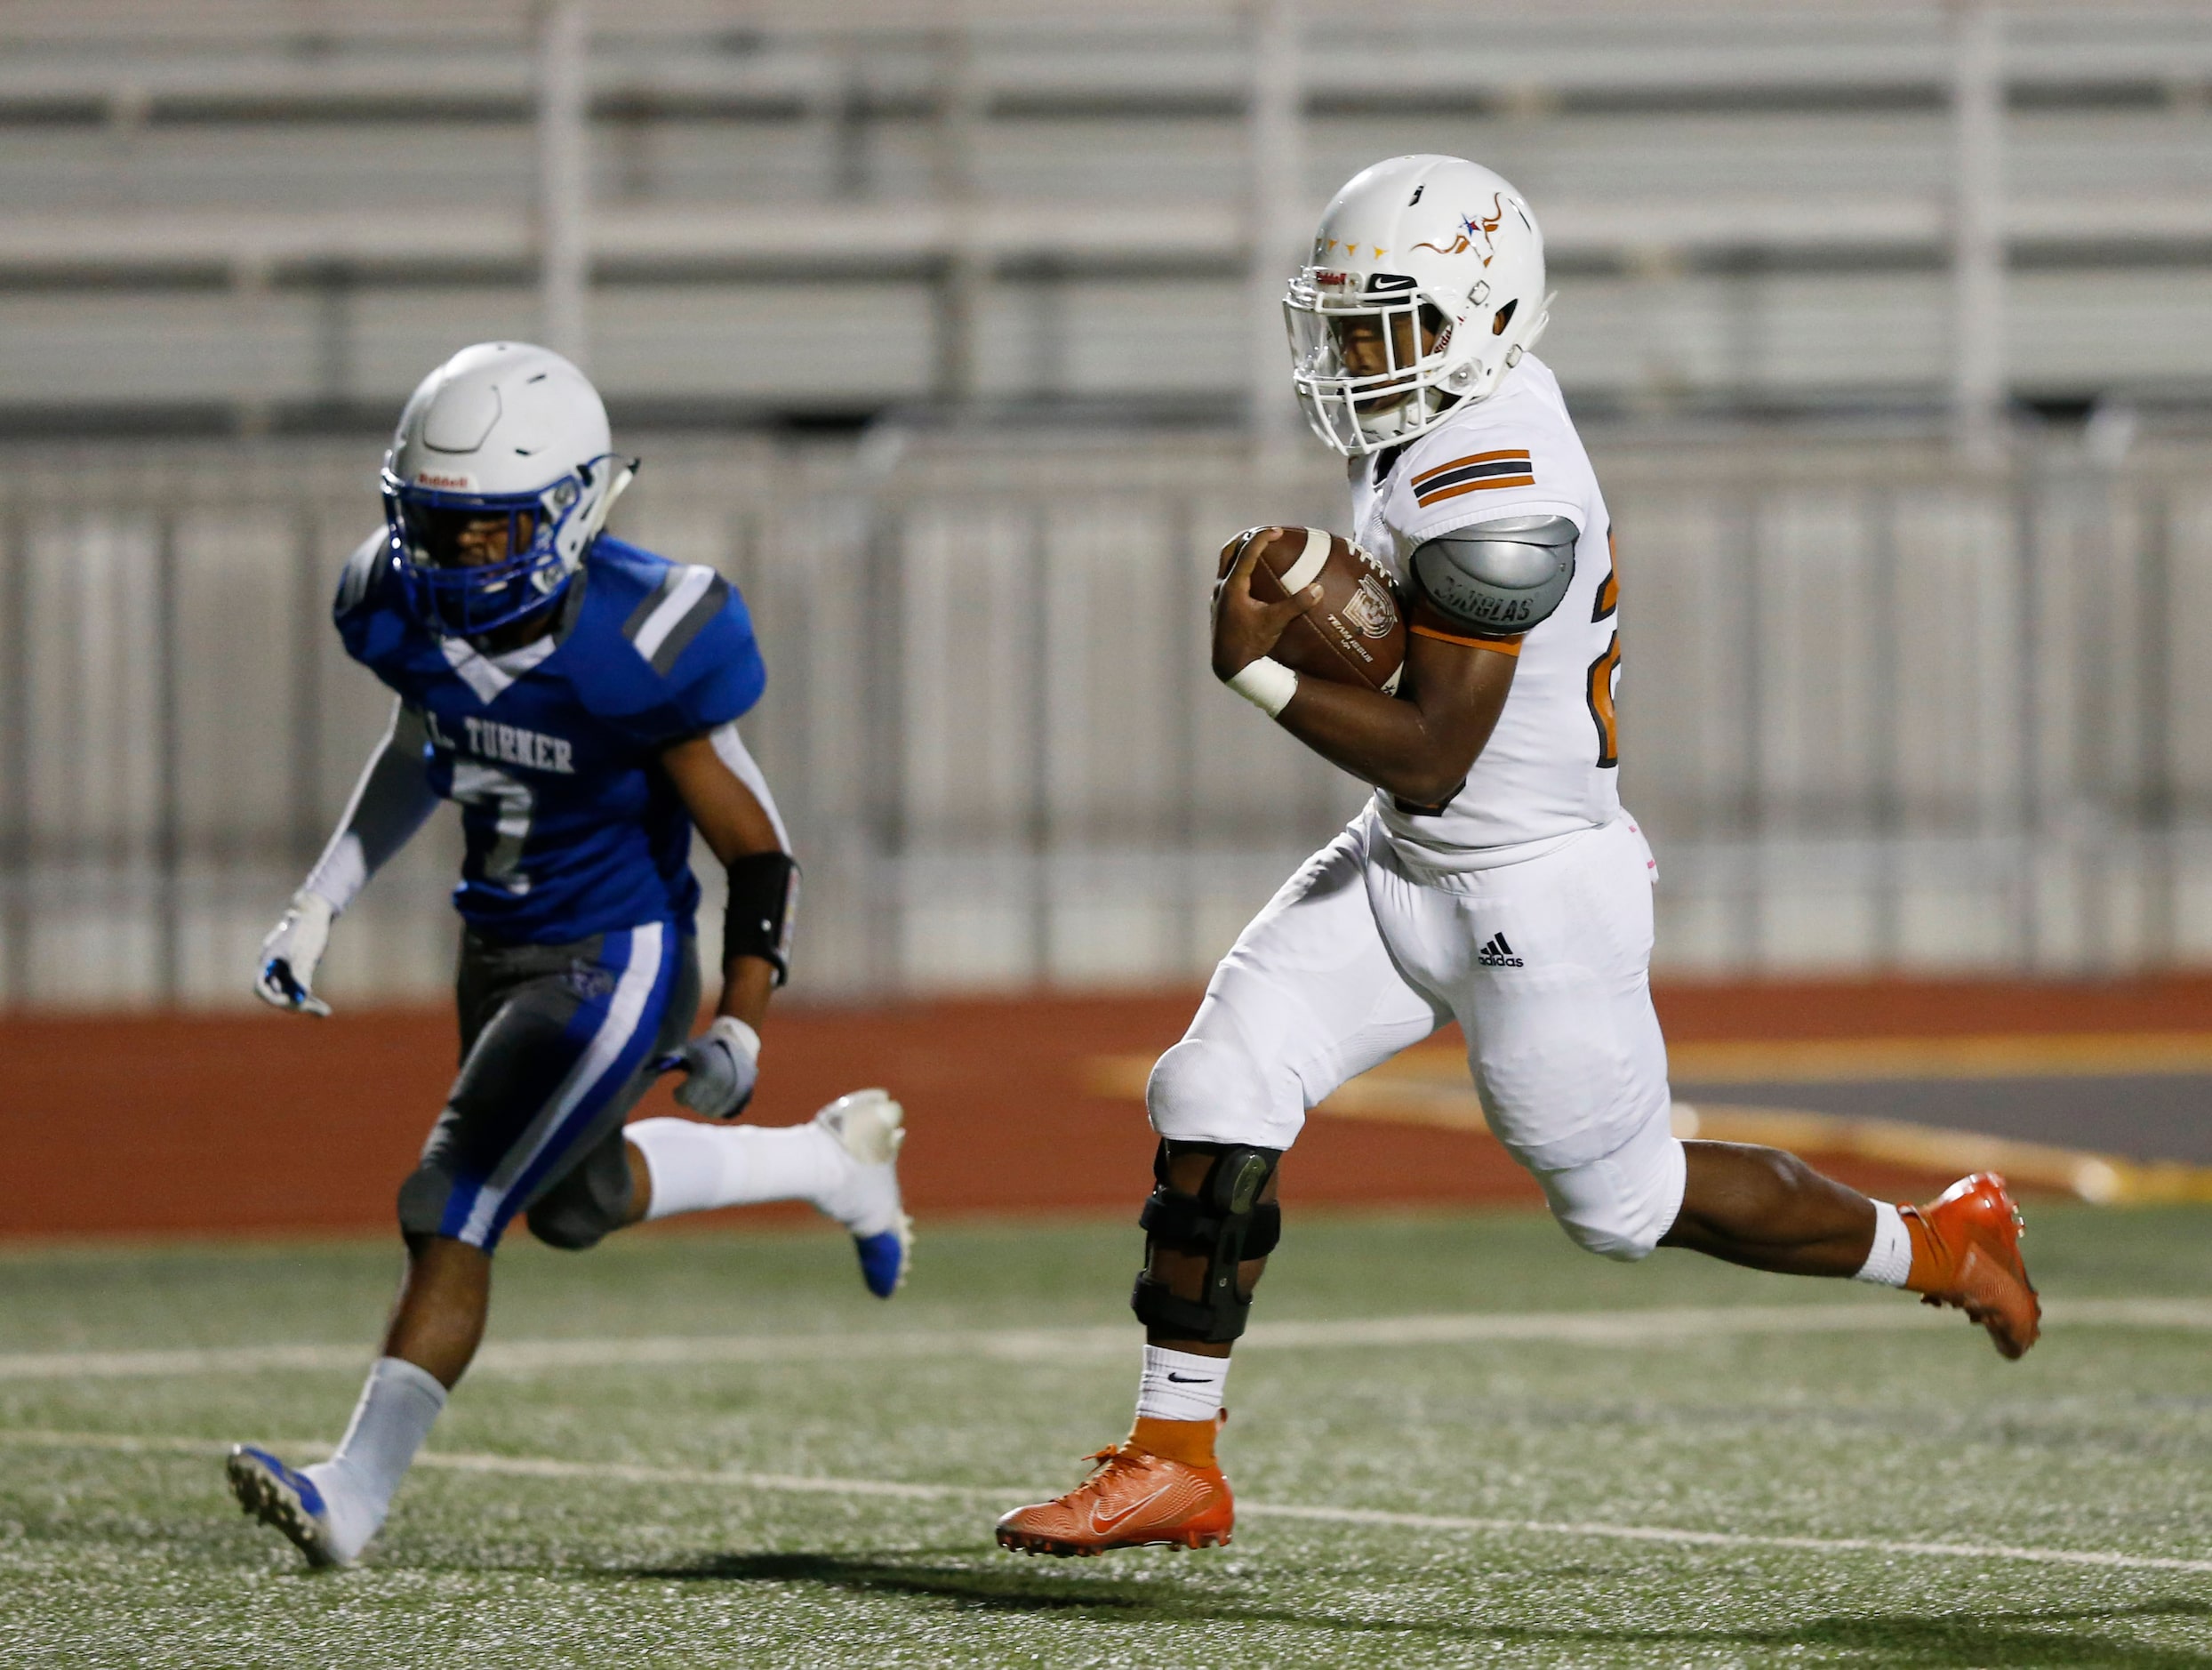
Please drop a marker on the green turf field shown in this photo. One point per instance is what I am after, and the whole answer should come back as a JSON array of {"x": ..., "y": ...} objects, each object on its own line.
[{"x": 724, "y": 1490}]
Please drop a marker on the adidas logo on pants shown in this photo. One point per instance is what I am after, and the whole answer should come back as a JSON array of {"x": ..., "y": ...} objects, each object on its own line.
[{"x": 1356, "y": 959}]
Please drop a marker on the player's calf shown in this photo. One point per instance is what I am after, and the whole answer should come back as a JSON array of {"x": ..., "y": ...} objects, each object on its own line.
[
  {"x": 844, "y": 1162},
  {"x": 1211, "y": 1212},
  {"x": 1769, "y": 1211},
  {"x": 1766, "y": 1209}
]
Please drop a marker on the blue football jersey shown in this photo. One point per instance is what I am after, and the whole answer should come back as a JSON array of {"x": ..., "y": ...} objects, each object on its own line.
[{"x": 551, "y": 750}]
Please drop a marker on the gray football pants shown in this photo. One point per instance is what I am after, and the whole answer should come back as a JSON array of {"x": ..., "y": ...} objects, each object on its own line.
[{"x": 558, "y": 1045}]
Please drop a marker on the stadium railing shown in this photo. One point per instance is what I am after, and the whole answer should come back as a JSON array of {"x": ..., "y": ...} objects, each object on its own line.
[{"x": 1882, "y": 709}]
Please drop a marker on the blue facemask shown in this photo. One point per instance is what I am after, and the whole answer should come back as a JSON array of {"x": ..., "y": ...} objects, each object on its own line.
[{"x": 463, "y": 601}]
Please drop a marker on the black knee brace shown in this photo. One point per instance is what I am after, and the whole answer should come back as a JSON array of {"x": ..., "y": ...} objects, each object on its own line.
[{"x": 1224, "y": 1222}]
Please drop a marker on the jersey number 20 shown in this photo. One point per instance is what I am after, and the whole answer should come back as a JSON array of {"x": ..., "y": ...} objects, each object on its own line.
[{"x": 1603, "y": 668}]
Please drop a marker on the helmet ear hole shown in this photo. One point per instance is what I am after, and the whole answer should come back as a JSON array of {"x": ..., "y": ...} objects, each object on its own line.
[{"x": 1503, "y": 317}]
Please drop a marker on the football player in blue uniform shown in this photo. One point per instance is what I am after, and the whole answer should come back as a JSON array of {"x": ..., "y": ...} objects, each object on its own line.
[{"x": 578, "y": 698}]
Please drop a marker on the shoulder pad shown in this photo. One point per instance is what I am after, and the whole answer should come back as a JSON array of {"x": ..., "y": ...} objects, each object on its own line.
[
  {"x": 666, "y": 620},
  {"x": 1497, "y": 579},
  {"x": 687, "y": 661},
  {"x": 360, "y": 574},
  {"x": 373, "y": 623}
]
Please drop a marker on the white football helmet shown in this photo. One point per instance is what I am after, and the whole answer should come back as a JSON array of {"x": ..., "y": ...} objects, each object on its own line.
[
  {"x": 501, "y": 428},
  {"x": 1425, "y": 288}
]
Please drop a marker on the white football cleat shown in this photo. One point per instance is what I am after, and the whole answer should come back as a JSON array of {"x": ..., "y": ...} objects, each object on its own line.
[
  {"x": 870, "y": 1127},
  {"x": 279, "y": 1496}
]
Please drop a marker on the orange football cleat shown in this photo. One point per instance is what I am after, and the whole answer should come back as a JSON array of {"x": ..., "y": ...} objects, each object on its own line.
[
  {"x": 1966, "y": 1252},
  {"x": 1133, "y": 1499}
]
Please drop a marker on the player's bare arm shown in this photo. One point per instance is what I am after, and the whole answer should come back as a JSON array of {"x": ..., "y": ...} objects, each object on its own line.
[
  {"x": 731, "y": 820},
  {"x": 1418, "y": 744},
  {"x": 722, "y": 1064}
]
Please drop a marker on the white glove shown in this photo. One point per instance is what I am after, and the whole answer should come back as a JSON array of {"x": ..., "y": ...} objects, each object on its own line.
[
  {"x": 290, "y": 954},
  {"x": 724, "y": 1064}
]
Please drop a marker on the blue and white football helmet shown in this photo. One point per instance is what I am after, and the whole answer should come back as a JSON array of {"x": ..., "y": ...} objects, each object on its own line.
[{"x": 501, "y": 428}]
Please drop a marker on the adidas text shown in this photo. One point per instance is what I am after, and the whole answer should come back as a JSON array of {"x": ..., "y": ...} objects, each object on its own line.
[{"x": 1497, "y": 954}]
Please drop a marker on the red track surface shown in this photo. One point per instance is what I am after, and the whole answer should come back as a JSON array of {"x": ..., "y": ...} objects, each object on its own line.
[{"x": 268, "y": 1124}]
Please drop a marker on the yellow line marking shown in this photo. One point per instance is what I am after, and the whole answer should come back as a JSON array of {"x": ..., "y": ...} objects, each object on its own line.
[
  {"x": 1417, "y": 1089},
  {"x": 1849, "y": 1060},
  {"x": 2103, "y": 1179},
  {"x": 1853, "y": 1060},
  {"x": 1119, "y": 1076},
  {"x": 1990, "y": 1056}
]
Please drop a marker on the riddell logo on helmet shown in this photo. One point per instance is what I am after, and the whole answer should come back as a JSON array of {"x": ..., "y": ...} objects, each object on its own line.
[
  {"x": 1474, "y": 227},
  {"x": 438, "y": 478}
]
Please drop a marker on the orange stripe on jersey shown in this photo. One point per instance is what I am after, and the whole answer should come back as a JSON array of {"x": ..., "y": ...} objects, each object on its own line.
[
  {"x": 1426, "y": 498},
  {"x": 1473, "y": 458},
  {"x": 1504, "y": 645}
]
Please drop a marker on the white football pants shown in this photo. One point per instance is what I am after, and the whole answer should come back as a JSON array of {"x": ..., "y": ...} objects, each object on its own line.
[{"x": 1544, "y": 964}]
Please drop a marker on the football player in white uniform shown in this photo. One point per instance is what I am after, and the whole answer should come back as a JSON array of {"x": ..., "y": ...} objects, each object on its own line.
[{"x": 1494, "y": 880}]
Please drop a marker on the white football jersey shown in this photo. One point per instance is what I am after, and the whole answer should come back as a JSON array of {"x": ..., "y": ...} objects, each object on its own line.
[{"x": 1550, "y": 769}]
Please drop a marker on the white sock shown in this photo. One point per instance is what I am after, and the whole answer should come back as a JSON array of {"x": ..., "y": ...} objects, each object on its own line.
[
  {"x": 399, "y": 1406},
  {"x": 1180, "y": 1385},
  {"x": 1890, "y": 1260},
  {"x": 696, "y": 1168}
]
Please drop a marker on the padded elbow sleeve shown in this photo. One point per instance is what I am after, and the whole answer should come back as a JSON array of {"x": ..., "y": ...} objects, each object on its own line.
[{"x": 762, "y": 910}]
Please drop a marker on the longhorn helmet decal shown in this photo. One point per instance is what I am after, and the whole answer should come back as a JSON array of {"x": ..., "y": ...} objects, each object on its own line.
[{"x": 1473, "y": 228}]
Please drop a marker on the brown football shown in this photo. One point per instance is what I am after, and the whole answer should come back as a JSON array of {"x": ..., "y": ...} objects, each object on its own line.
[{"x": 1355, "y": 635}]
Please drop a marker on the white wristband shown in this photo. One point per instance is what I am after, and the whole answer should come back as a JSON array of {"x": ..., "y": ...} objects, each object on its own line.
[{"x": 1266, "y": 683}]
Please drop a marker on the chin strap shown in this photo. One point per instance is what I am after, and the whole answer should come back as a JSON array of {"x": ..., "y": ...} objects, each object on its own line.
[{"x": 1544, "y": 318}]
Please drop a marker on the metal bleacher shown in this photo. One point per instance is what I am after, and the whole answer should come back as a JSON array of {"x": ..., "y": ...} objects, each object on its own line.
[
  {"x": 278, "y": 211},
  {"x": 949, "y": 331}
]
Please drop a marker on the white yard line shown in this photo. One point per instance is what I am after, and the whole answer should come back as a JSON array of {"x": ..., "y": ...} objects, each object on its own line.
[
  {"x": 131, "y": 1365},
  {"x": 622, "y": 1472},
  {"x": 1646, "y": 1328},
  {"x": 1722, "y": 1539},
  {"x": 527, "y": 1467}
]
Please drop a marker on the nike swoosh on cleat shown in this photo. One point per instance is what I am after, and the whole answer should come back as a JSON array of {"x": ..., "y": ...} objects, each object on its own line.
[
  {"x": 1187, "y": 1380},
  {"x": 1109, "y": 1521}
]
